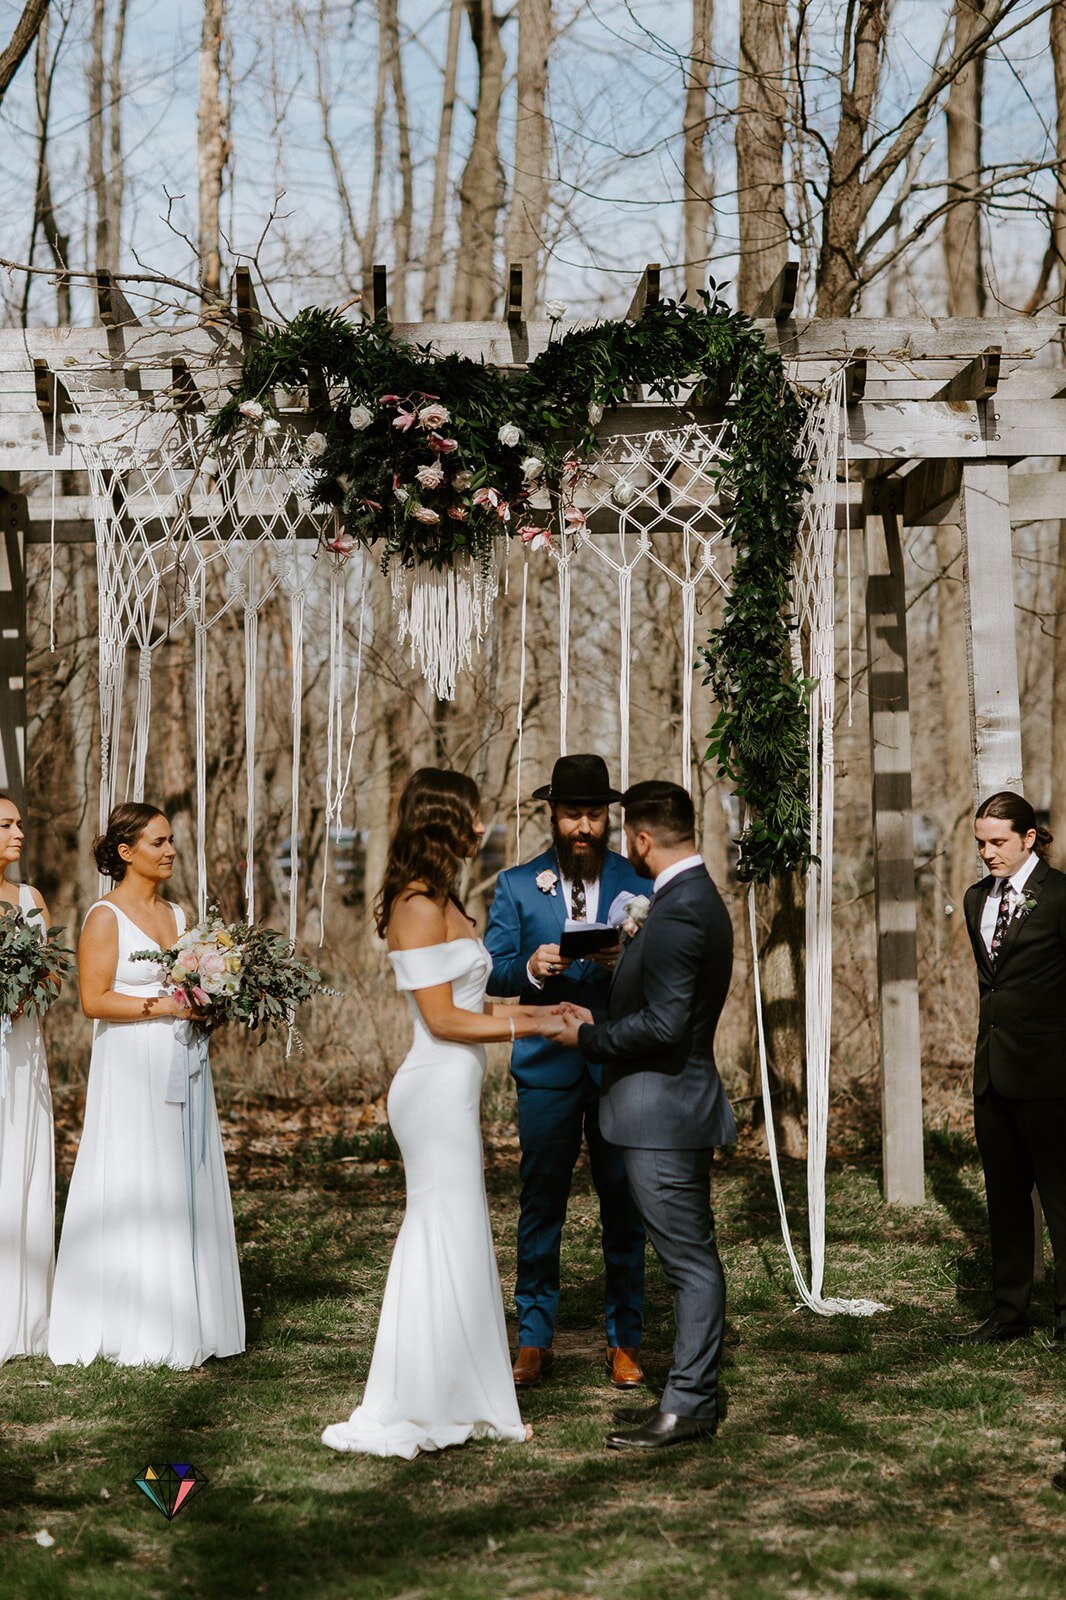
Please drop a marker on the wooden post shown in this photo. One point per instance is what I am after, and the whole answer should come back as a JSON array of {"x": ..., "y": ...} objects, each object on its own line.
[
  {"x": 13, "y": 649},
  {"x": 893, "y": 829},
  {"x": 992, "y": 658}
]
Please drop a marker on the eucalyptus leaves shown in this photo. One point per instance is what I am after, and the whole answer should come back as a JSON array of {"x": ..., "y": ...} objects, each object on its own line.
[{"x": 434, "y": 457}]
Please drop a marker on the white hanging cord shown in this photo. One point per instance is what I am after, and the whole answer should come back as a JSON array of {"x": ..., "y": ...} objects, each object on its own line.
[
  {"x": 251, "y": 706},
  {"x": 200, "y": 718},
  {"x": 141, "y": 721},
  {"x": 520, "y": 714},
  {"x": 334, "y": 731},
  {"x": 52, "y": 533},
  {"x": 845, "y": 446},
  {"x": 688, "y": 660},
  {"x": 296, "y": 620},
  {"x": 625, "y": 624},
  {"x": 353, "y": 724},
  {"x": 815, "y": 1302},
  {"x": 565, "y": 557}
]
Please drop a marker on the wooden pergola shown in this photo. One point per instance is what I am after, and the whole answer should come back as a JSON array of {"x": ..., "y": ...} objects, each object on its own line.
[{"x": 940, "y": 415}]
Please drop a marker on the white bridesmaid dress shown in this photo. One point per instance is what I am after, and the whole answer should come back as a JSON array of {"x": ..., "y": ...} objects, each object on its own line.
[
  {"x": 27, "y": 1184},
  {"x": 147, "y": 1273},
  {"x": 441, "y": 1371}
]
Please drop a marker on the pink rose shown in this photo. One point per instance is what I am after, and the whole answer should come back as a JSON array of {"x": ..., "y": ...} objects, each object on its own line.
[
  {"x": 213, "y": 964},
  {"x": 434, "y": 416},
  {"x": 424, "y": 514},
  {"x": 431, "y": 477},
  {"x": 190, "y": 961}
]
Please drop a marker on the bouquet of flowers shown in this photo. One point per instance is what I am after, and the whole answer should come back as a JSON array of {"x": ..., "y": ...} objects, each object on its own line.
[
  {"x": 33, "y": 963},
  {"x": 236, "y": 972}
]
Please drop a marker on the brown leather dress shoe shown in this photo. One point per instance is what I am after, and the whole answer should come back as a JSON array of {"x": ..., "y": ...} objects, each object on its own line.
[
  {"x": 531, "y": 1365},
  {"x": 623, "y": 1368}
]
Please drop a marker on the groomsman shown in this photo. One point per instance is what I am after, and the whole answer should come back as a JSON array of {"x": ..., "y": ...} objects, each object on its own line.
[
  {"x": 558, "y": 1092},
  {"x": 1016, "y": 917}
]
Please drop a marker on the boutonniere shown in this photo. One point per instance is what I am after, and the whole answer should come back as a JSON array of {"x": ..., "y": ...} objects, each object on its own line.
[
  {"x": 1025, "y": 905},
  {"x": 546, "y": 881}
]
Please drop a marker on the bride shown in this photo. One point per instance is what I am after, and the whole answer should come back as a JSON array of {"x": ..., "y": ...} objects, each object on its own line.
[{"x": 440, "y": 1372}]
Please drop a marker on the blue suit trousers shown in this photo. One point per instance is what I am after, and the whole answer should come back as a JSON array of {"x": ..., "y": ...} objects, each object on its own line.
[{"x": 551, "y": 1124}]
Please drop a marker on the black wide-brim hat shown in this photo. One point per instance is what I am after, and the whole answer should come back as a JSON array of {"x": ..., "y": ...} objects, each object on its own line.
[{"x": 579, "y": 780}]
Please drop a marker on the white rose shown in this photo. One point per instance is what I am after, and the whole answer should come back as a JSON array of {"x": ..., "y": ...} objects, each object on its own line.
[
  {"x": 401, "y": 495},
  {"x": 209, "y": 467},
  {"x": 595, "y": 414},
  {"x": 315, "y": 444},
  {"x": 462, "y": 481},
  {"x": 509, "y": 435},
  {"x": 554, "y": 310},
  {"x": 360, "y": 417},
  {"x": 270, "y": 427},
  {"x": 252, "y": 410},
  {"x": 623, "y": 491},
  {"x": 532, "y": 467}
]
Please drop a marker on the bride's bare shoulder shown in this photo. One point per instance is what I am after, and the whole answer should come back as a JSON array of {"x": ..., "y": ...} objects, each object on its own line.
[{"x": 416, "y": 919}]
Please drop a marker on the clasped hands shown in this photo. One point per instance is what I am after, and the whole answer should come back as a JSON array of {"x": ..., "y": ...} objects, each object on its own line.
[{"x": 570, "y": 1018}]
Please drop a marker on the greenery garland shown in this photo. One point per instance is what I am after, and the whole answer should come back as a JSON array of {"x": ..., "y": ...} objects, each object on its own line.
[{"x": 436, "y": 456}]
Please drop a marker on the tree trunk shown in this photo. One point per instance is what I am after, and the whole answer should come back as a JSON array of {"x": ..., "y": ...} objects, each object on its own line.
[
  {"x": 697, "y": 175},
  {"x": 44, "y": 216},
  {"x": 212, "y": 151},
  {"x": 97, "y": 134},
  {"x": 962, "y": 225},
  {"x": 524, "y": 230},
  {"x": 847, "y": 198},
  {"x": 405, "y": 219},
  {"x": 782, "y": 943},
  {"x": 481, "y": 189},
  {"x": 370, "y": 237},
  {"x": 17, "y": 47},
  {"x": 760, "y": 147},
  {"x": 1058, "y": 702},
  {"x": 115, "y": 169},
  {"x": 956, "y": 801},
  {"x": 435, "y": 240}
]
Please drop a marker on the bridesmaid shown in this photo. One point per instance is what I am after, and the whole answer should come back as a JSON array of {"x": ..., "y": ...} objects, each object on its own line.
[
  {"x": 27, "y": 1167},
  {"x": 147, "y": 1271}
]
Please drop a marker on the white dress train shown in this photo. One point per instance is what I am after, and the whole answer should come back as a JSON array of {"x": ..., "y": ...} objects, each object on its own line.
[
  {"x": 27, "y": 1184},
  {"x": 147, "y": 1273},
  {"x": 441, "y": 1371}
]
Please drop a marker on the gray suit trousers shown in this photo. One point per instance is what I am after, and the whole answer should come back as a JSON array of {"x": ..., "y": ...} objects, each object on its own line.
[{"x": 672, "y": 1192}]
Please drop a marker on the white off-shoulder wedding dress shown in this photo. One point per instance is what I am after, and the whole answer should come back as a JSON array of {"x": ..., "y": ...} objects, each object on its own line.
[{"x": 440, "y": 1372}]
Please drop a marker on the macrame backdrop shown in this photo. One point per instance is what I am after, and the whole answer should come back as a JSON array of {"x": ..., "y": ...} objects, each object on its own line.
[{"x": 171, "y": 522}]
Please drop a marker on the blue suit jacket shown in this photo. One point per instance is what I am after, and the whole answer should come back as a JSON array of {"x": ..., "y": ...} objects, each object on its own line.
[{"x": 524, "y": 917}]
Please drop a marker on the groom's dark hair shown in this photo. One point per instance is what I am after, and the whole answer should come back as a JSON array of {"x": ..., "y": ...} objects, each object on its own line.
[{"x": 664, "y": 810}]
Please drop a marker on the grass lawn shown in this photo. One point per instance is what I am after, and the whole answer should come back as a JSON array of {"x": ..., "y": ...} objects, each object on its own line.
[{"x": 858, "y": 1458}]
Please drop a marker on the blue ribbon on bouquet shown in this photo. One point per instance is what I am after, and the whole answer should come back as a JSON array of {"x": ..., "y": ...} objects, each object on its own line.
[{"x": 188, "y": 1086}]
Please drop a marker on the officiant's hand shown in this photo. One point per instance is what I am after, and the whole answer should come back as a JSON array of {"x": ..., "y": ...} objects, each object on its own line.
[
  {"x": 546, "y": 962},
  {"x": 607, "y": 959}
]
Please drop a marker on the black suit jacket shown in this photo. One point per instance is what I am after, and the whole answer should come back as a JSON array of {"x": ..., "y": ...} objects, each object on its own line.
[
  {"x": 1021, "y": 1033},
  {"x": 661, "y": 1088}
]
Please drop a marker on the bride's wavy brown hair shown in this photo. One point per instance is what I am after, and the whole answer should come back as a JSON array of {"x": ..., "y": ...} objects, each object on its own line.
[{"x": 434, "y": 833}]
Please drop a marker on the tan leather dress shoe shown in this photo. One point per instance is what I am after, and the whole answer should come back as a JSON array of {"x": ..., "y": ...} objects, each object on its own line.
[
  {"x": 531, "y": 1365},
  {"x": 623, "y": 1368}
]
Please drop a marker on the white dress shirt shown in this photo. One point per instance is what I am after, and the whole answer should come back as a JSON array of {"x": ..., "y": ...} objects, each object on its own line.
[
  {"x": 592, "y": 906},
  {"x": 1015, "y": 887},
  {"x": 675, "y": 871}
]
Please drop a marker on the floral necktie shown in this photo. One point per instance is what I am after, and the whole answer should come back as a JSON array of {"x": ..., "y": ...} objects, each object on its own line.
[
  {"x": 577, "y": 900},
  {"x": 1003, "y": 916}
]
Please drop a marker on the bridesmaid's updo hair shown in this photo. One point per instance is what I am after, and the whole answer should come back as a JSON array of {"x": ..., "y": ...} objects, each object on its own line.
[
  {"x": 124, "y": 826},
  {"x": 433, "y": 837},
  {"x": 1009, "y": 807}
]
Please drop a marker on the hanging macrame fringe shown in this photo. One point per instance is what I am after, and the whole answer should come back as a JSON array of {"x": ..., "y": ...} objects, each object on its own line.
[{"x": 445, "y": 614}]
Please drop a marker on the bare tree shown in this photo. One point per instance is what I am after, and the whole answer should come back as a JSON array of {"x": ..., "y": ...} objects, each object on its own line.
[
  {"x": 1058, "y": 248},
  {"x": 697, "y": 176},
  {"x": 44, "y": 215},
  {"x": 405, "y": 216},
  {"x": 962, "y": 224},
  {"x": 524, "y": 230},
  {"x": 760, "y": 147},
  {"x": 481, "y": 189},
  {"x": 434, "y": 257},
  {"x": 212, "y": 149},
  {"x": 17, "y": 47}
]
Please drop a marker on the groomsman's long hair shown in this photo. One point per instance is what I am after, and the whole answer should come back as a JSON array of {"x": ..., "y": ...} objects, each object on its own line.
[
  {"x": 1009, "y": 807},
  {"x": 433, "y": 837}
]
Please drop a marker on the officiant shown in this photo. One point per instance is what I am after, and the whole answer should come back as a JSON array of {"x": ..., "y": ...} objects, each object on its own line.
[{"x": 576, "y": 880}]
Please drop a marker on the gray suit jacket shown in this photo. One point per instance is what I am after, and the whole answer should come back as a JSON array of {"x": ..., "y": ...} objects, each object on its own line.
[{"x": 661, "y": 1089}]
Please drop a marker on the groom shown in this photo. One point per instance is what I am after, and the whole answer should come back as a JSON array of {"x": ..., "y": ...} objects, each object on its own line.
[{"x": 662, "y": 1101}]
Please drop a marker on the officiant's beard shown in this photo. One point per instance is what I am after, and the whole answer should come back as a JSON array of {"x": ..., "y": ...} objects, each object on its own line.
[{"x": 582, "y": 860}]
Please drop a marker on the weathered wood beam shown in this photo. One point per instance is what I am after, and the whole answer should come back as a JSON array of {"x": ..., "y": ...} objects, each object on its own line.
[
  {"x": 249, "y": 316},
  {"x": 855, "y": 378},
  {"x": 115, "y": 310},
  {"x": 186, "y": 396},
  {"x": 977, "y": 380},
  {"x": 646, "y": 293},
  {"x": 930, "y": 490},
  {"x": 779, "y": 300},
  {"x": 380, "y": 293},
  {"x": 893, "y": 827},
  {"x": 514, "y": 294},
  {"x": 991, "y": 650},
  {"x": 1037, "y": 496}
]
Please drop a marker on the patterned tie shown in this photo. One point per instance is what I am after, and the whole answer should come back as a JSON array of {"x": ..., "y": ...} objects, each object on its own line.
[
  {"x": 1003, "y": 916},
  {"x": 577, "y": 900}
]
